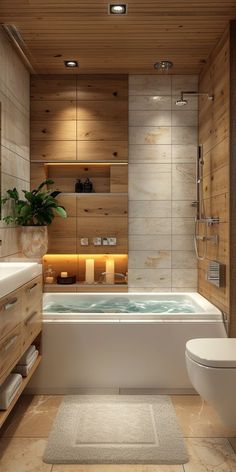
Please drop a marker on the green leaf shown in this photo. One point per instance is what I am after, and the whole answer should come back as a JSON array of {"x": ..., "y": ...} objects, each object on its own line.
[{"x": 61, "y": 211}]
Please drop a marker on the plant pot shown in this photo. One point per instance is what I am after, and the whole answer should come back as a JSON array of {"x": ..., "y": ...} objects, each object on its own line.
[{"x": 34, "y": 241}]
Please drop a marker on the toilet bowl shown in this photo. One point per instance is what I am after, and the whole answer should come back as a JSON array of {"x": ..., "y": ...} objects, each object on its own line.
[{"x": 211, "y": 366}]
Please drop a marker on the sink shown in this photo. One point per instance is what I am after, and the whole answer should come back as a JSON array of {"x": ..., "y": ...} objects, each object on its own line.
[{"x": 15, "y": 274}]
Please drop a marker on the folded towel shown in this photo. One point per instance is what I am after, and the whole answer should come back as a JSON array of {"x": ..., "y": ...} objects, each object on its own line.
[
  {"x": 9, "y": 389},
  {"x": 27, "y": 356},
  {"x": 25, "y": 369}
]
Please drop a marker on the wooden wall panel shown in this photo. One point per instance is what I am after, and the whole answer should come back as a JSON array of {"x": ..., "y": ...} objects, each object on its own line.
[
  {"x": 214, "y": 128},
  {"x": 79, "y": 129}
]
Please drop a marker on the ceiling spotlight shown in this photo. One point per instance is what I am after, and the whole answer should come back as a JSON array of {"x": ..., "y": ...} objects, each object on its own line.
[
  {"x": 71, "y": 63},
  {"x": 163, "y": 65},
  {"x": 117, "y": 9}
]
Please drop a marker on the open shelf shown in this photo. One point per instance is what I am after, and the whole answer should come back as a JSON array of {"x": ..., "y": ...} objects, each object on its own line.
[{"x": 4, "y": 413}]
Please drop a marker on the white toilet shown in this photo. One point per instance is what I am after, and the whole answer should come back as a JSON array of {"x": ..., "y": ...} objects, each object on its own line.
[{"x": 211, "y": 366}]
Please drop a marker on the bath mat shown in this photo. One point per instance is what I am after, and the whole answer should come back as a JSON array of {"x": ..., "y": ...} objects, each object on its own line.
[{"x": 117, "y": 429}]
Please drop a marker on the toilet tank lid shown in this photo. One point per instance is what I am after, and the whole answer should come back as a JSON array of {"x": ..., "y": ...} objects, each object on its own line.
[{"x": 213, "y": 352}]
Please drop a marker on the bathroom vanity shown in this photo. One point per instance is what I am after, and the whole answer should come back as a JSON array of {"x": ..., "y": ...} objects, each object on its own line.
[{"x": 20, "y": 319}]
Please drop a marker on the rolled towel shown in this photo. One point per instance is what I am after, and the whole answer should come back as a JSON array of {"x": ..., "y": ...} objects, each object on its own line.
[
  {"x": 25, "y": 369},
  {"x": 9, "y": 389},
  {"x": 27, "y": 356}
]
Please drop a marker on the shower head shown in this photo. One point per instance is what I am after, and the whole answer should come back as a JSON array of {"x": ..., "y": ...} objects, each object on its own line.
[{"x": 181, "y": 102}]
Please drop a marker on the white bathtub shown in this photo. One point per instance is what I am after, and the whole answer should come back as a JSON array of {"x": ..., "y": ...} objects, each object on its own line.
[{"x": 120, "y": 351}]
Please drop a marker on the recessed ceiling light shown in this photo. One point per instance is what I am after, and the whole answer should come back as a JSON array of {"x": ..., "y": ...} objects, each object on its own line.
[
  {"x": 163, "y": 65},
  {"x": 71, "y": 63},
  {"x": 117, "y": 9}
]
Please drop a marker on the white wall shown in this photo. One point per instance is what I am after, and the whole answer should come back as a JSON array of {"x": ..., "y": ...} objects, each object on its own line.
[
  {"x": 162, "y": 164},
  {"x": 15, "y": 106}
]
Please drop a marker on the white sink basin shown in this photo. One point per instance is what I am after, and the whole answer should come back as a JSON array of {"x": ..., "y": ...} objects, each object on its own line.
[{"x": 15, "y": 274}]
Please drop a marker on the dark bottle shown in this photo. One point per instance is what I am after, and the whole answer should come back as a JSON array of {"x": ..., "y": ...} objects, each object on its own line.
[
  {"x": 79, "y": 186},
  {"x": 88, "y": 186}
]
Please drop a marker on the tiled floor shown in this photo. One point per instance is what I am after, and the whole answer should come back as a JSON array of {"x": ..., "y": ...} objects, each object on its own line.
[{"x": 25, "y": 435}]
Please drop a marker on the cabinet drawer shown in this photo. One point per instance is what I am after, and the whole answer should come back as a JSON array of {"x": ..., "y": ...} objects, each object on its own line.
[
  {"x": 32, "y": 296},
  {"x": 10, "y": 312},
  {"x": 10, "y": 349},
  {"x": 32, "y": 326}
]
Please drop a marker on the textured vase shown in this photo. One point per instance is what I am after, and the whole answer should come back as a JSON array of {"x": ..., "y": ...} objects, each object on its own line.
[{"x": 34, "y": 241}]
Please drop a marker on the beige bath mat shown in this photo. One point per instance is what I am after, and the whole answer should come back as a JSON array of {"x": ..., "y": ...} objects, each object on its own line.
[{"x": 117, "y": 429}]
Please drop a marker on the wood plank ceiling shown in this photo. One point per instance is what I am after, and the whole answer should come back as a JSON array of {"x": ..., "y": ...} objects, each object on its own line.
[{"x": 183, "y": 31}]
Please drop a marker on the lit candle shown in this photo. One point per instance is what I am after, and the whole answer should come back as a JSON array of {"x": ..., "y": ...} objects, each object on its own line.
[
  {"x": 64, "y": 274},
  {"x": 110, "y": 269},
  {"x": 89, "y": 271},
  {"x": 49, "y": 280}
]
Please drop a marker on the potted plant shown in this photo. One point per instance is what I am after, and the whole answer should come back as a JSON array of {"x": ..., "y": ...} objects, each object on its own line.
[{"x": 33, "y": 214}]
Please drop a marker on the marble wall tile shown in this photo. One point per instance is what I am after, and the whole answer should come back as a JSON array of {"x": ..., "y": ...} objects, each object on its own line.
[
  {"x": 145, "y": 102},
  {"x": 182, "y": 242},
  {"x": 183, "y": 260},
  {"x": 183, "y": 181},
  {"x": 150, "y": 226},
  {"x": 148, "y": 169},
  {"x": 184, "y": 135},
  {"x": 160, "y": 216},
  {"x": 157, "y": 278},
  {"x": 183, "y": 226},
  {"x": 153, "y": 135},
  {"x": 182, "y": 83},
  {"x": 151, "y": 118},
  {"x": 153, "y": 290},
  {"x": 184, "y": 278},
  {"x": 149, "y": 85},
  {"x": 184, "y": 118},
  {"x": 153, "y": 153},
  {"x": 184, "y": 153},
  {"x": 150, "y": 209},
  {"x": 149, "y": 259},
  {"x": 142, "y": 243},
  {"x": 183, "y": 209},
  {"x": 151, "y": 187}
]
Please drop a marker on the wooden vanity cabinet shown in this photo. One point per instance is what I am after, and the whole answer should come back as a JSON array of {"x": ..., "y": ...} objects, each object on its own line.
[{"x": 20, "y": 325}]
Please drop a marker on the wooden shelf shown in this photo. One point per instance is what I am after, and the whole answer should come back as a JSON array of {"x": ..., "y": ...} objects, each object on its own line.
[{"x": 4, "y": 414}]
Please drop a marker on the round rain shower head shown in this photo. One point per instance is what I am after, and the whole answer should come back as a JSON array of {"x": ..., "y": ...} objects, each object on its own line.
[{"x": 181, "y": 102}]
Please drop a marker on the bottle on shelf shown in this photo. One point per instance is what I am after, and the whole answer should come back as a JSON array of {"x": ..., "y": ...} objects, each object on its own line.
[
  {"x": 79, "y": 186},
  {"x": 88, "y": 186},
  {"x": 50, "y": 275}
]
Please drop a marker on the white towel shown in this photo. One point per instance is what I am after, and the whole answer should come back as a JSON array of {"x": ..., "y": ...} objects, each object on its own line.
[
  {"x": 25, "y": 369},
  {"x": 27, "y": 356},
  {"x": 9, "y": 389}
]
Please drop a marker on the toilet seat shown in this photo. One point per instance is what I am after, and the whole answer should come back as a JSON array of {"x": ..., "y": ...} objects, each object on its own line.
[{"x": 213, "y": 352}]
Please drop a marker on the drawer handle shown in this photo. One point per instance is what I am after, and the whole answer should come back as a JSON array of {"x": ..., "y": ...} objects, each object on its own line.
[
  {"x": 30, "y": 317},
  {"x": 10, "y": 304},
  {"x": 32, "y": 287},
  {"x": 8, "y": 344}
]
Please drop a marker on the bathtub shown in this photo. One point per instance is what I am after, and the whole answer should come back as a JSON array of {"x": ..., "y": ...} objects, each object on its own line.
[{"x": 120, "y": 351}]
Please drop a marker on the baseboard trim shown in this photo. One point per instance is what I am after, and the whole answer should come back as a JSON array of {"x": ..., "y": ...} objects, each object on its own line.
[{"x": 110, "y": 391}]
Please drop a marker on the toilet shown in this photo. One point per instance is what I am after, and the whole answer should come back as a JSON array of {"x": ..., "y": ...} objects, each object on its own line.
[{"x": 211, "y": 366}]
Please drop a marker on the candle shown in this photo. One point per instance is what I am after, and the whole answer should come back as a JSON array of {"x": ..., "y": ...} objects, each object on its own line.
[
  {"x": 64, "y": 274},
  {"x": 110, "y": 276},
  {"x": 89, "y": 271},
  {"x": 49, "y": 280}
]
